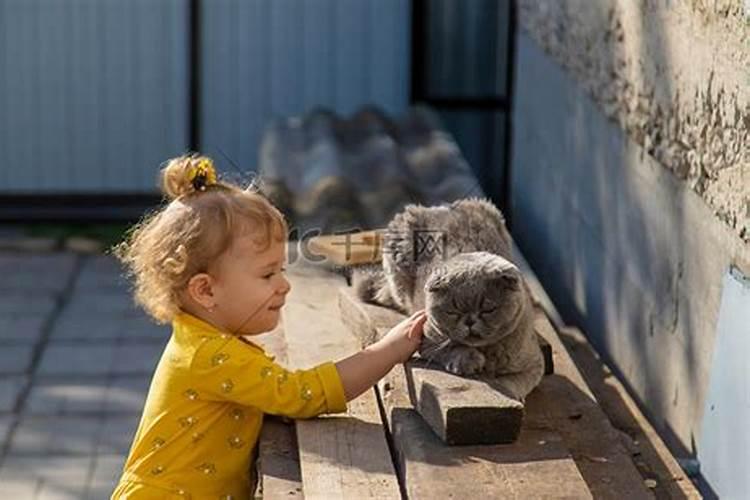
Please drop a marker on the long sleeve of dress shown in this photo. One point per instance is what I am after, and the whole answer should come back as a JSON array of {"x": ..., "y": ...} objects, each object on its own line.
[{"x": 228, "y": 369}]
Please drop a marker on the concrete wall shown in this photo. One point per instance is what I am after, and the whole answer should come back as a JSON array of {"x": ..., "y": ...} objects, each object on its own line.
[
  {"x": 628, "y": 250},
  {"x": 674, "y": 75}
]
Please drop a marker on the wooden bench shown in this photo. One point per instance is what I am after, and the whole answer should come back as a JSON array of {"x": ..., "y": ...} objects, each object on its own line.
[{"x": 381, "y": 448}]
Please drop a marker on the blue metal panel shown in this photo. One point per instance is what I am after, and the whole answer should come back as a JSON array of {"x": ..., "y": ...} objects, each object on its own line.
[
  {"x": 724, "y": 447},
  {"x": 93, "y": 95},
  {"x": 268, "y": 58}
]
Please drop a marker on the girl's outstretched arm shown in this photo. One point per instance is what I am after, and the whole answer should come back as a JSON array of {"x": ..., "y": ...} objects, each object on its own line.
[{"x": 362, "y": 370}]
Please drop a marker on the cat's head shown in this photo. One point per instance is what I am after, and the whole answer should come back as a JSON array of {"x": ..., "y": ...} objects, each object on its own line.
[{"x": 474, "y": 298}]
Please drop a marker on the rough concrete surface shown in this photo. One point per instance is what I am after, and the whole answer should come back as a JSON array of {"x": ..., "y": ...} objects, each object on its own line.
[{"x": 674, "y": 75}]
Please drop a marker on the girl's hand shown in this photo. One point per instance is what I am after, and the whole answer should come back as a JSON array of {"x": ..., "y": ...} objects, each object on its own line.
[{"x": 404, "y": 338}]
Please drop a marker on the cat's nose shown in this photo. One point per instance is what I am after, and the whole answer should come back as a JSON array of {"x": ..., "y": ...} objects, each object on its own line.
[{"x": 469, "y": 322}]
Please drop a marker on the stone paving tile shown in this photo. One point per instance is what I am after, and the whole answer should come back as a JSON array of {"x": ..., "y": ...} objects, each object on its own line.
[
  {"x": 13, "y": 304},
  {"x": 76, "y": 359},
  {"x": 53, "y": 263},
  {"x": 136, "y": 358},
  {"x": 55, "y": 435},
  {"x": 58, "y": 397},
  {"x": 5, "y": 423},
  {"x": 107, "y": 471},
  {"x": 43, "y": 478},
  {"x": 126, "y": 395},
  {"x": 141, "y": 327},
  {"x": 101, "y": 278},
  {"x": 101, "y": 305},
  {"x": 21, "y": 329},
  {"x": 10, "y": 389},
  {"x": 76, "y": 327},
  {"x": 25, "y": 281},
  {"x": 15, "y": 358},
  {"x": 116, "y": 434}
]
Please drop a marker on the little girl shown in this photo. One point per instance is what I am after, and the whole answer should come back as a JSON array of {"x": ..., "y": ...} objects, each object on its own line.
[{"x": 211, "y": 262}]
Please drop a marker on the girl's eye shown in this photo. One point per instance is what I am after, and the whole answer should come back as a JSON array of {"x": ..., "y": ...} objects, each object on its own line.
[{"x": 270, "y": 275}]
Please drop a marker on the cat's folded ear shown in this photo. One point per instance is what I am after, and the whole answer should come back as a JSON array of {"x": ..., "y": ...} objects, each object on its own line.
[
  {"x": 436, "y": 281},
  {"x": 507, "y": 277},
  {"x": 510, "y": 281}
]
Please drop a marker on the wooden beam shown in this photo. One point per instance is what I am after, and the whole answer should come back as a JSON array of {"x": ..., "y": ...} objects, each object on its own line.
[
  {"x": 462, "y": 411},
  {"x": 343, "y": 456}
]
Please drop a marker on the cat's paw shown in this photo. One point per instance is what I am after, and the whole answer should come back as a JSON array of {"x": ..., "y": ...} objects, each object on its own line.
[{"x": 465, "y": 361}]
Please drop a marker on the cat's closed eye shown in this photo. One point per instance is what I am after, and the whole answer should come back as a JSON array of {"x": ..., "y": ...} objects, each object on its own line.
[{"x": 488, "y": 310}]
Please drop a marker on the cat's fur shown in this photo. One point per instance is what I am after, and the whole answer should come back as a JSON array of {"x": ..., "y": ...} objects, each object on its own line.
[{"x": 480, "y": 317}]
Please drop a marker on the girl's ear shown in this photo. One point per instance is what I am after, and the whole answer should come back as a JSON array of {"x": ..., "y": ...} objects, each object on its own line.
[{"x": 200, "y": 288}]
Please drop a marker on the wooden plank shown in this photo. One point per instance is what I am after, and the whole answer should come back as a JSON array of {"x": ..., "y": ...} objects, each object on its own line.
[
  {"x": 278, "y": 461},
  {"x": 278, "y": 469},
  {"x": 599, "y": 464},
  {"x": 564, "y": 402},
  {"x": 536, "y": 466},
  {"x": 341, "y": 456},
  {"x": 650, "y": 455},
  {"x": 348, "y": 249}
]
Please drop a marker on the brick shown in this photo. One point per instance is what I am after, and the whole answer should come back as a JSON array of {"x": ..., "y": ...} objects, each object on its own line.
[
  {"x": 10, "y": 389},
  {"x": 58, "y": 397},
  {"x": 72, "y": 359},
  {"x": 58, "y": 435},
  {"x": 45, "y": 478},
  {"x": 15, "y": 358},
  {"x": 21, "y": 329}
]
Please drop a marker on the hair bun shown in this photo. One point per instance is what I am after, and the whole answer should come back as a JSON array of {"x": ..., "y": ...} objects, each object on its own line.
[{"x": 187, "y": 174}]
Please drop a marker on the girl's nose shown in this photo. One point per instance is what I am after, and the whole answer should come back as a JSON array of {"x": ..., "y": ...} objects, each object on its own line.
[{"x": 285, "y": 286}]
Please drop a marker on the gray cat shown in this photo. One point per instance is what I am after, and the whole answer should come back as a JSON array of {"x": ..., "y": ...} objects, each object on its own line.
[{"x": 453, "y": 261}]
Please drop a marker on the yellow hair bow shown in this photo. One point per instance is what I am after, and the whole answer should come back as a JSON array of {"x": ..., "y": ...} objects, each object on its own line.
[{"x": 201, "y": 175}]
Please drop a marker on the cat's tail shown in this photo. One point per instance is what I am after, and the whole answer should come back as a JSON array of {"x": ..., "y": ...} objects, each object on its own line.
[{"x": 371, "y": 286}]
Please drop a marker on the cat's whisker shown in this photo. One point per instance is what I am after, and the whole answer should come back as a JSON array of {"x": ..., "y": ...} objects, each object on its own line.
[{"x": 434, "y": 350}]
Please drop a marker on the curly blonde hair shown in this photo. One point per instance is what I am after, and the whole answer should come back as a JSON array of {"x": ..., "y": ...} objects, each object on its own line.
[{"x": 184, "y": 237}]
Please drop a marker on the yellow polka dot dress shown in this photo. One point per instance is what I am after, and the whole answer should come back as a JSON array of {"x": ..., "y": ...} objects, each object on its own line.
[{"x": 205, "y": 409}]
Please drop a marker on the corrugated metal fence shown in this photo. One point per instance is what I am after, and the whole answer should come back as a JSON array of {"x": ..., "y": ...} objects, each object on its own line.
[{"x": 94, "y": 94}]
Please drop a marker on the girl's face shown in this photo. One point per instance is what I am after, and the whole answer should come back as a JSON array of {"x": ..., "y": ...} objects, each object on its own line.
[{"x": 250, "y": 287}]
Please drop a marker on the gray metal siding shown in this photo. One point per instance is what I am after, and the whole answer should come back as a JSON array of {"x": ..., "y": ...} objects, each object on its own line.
[
  {"x": 269, "y": 58},
  {"x": 93, "y": 94}
]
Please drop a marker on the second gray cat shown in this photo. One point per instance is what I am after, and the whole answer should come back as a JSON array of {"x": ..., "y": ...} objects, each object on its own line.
[{"x": 453, "y": 261}]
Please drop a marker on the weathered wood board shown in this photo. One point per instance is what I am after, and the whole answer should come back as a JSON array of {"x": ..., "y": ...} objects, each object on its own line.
[
  {"x": 278, "y": 468},
  {"x": 537, "y": 465},
  {"x": 341, "y": 456}
]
